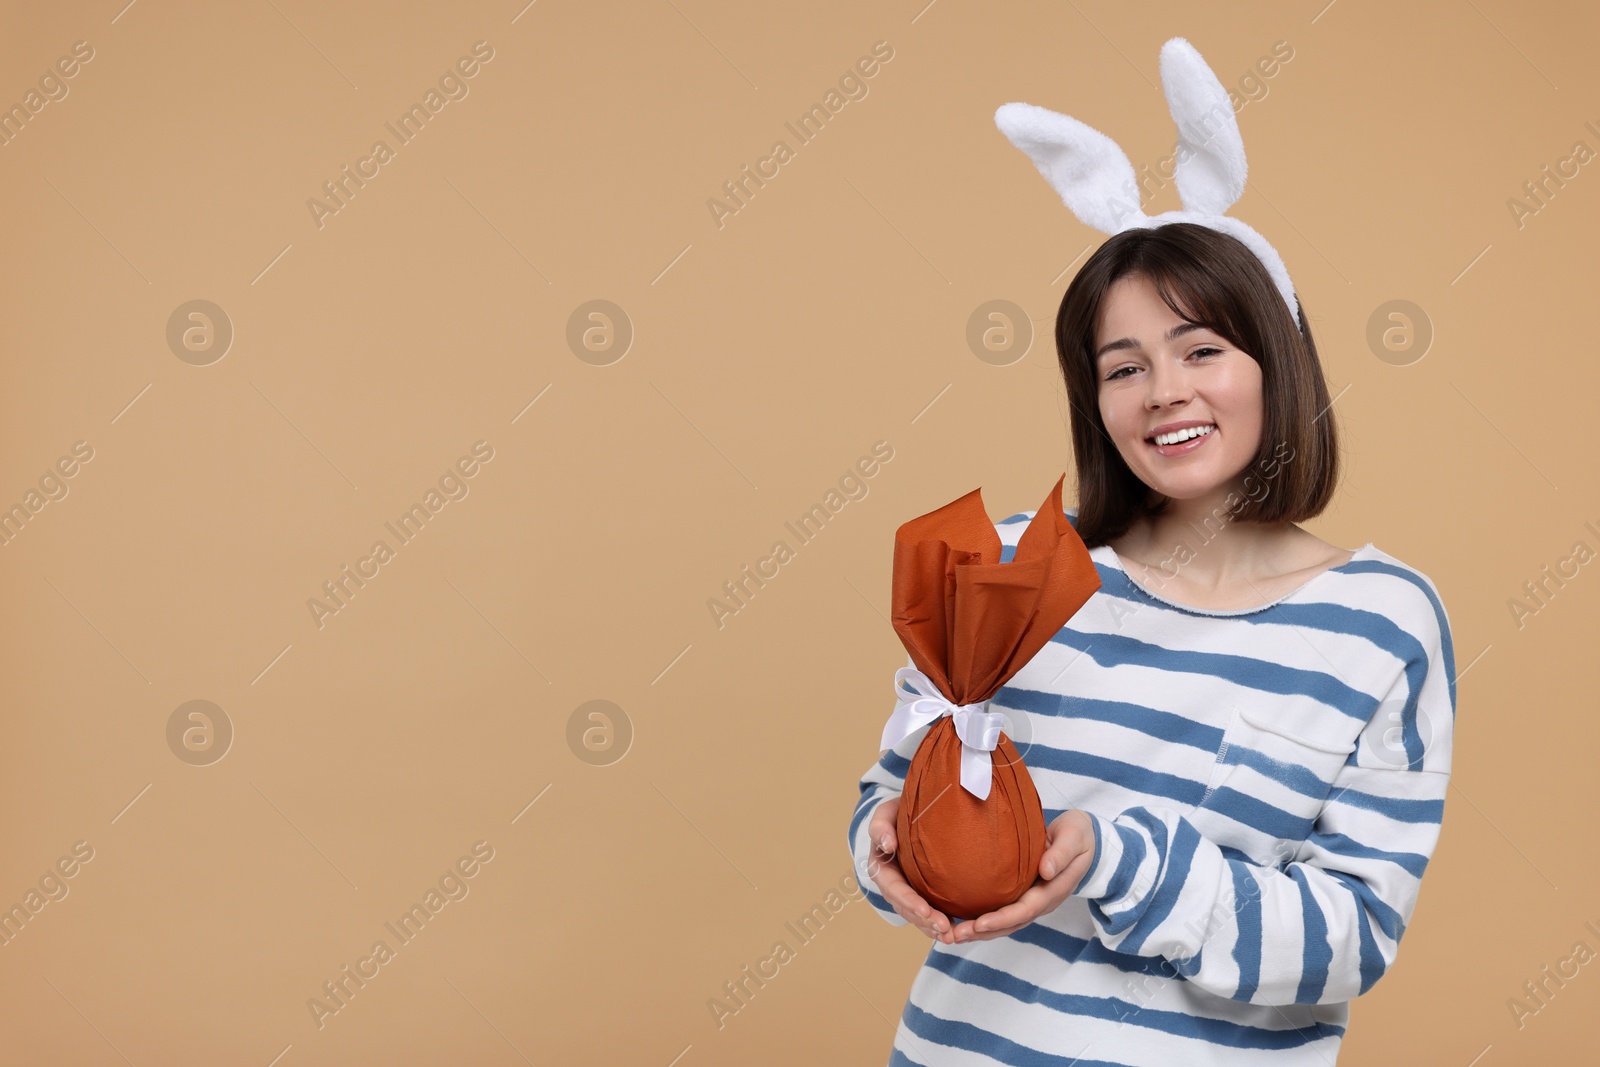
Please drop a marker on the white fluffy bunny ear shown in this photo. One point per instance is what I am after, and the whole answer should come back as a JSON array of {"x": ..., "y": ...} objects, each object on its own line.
[
  {"x": 1097, "y": 182},
  {"x": 1088, "y": 169},
  {"x": 1210, "y": 168}
]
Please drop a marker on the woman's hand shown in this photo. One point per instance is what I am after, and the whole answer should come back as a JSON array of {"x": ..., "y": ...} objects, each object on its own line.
[
  {"x": 884, "y": 869},
  {"x": 1068, "y": 852}
]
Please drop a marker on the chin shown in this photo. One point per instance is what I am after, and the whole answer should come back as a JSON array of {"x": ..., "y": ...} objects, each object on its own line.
[{"x": 1187, "y": 488}]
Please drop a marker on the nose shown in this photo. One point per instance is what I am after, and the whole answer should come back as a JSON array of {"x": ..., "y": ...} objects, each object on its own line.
[{"x": 1165, "y": 385}]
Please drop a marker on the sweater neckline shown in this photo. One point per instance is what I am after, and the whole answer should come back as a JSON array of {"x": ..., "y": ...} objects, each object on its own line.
[{"x": 1108, "y": 555}]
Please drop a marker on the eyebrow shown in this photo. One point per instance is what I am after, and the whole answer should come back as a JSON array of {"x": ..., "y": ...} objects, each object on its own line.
[{"x": 1131, "y": 342}]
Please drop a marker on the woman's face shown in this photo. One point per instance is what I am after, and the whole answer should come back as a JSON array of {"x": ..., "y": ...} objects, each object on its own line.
[{"x": 1192, "y": 376}]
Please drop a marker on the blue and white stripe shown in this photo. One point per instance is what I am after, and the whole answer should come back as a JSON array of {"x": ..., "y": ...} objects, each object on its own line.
[{"x": 1266, "y": 789}]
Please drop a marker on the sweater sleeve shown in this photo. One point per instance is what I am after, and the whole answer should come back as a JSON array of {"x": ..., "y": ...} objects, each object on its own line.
[
  {"x": 884, "y": 780},
  {"x": 1324, "y": 925}
]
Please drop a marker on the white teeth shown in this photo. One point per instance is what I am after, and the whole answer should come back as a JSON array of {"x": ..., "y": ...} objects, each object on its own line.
[{"x": 1178, "y": 436}]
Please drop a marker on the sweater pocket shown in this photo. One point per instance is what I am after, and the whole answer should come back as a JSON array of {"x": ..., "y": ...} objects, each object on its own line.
[
  {"x": 1271, "y": 779},
  {"x": 1219, "y": 766}
]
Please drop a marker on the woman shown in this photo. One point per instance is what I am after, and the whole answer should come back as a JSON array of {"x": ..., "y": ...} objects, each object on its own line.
[{"x": 1241, "y": 742}]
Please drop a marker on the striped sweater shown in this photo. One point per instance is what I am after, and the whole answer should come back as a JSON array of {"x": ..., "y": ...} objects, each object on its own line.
[{"x": 1266, "y": 788}]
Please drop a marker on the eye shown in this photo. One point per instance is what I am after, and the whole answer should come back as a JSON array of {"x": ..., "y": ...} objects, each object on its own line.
[
  {"x": 1200, "y": 353},
  {"x": 1205, "y": 352}
]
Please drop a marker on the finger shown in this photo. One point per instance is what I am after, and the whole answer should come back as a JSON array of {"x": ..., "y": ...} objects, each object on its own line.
[
  {"x": 881, "y": 830},
  {"x": 989, "y": 935},
  {"x": 969, "y": 931},
  {"x": 884, "y": 869},
  {"x": 927, "y": 918},
  {"x": 1004, "y": 931},
  {"x": 1061, "y": 874},
  {"x": 1067, "y": 846},
  {"x": 1039, "y": 898},
  {"x": 908, "y": 903},
  {"x": 916, "y": 911},
  {"x": 937, "y": 927},
  {"x": 1067, "y": 881},
  {"x": 966, "y": 931},
  {"x": 1013, "y": 916},
  {"x": 1055, "y": 859}
]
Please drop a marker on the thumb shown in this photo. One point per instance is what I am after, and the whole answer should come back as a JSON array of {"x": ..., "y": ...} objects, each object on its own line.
[
  {"x": 1061, "y": 851},
  {"x": 1054, "y": 859},
  {"x": 883, "y": 824}
]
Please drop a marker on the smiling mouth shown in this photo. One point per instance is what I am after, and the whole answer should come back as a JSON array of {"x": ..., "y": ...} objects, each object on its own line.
[
  {"x": 1184, "y": 445},
  {"x": 1187, "y": 432}
]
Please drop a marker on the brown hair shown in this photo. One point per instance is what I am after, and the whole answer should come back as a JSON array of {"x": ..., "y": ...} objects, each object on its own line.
[{"x": 1212, "y": 279}]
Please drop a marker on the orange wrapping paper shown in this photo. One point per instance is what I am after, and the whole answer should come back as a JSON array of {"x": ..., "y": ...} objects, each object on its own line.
[{"x": 969, "y": 623}]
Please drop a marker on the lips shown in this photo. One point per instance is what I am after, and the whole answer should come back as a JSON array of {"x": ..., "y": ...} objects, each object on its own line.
[
  {"x": 1183, "y": 448},
  {"x": 1168, "y": 428}
]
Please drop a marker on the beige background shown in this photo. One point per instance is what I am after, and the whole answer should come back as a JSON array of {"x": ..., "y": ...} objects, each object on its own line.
[{"x": 432, "y": 311}]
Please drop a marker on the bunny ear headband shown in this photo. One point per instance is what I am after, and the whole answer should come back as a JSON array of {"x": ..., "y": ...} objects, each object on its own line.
[{"x": 1095, "y": 179}]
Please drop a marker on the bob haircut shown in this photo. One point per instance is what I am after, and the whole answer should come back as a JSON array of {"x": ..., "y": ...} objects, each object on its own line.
[{"x": 1210, "y": 278}]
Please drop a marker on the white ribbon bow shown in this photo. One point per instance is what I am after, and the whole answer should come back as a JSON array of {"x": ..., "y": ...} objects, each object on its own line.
[{"x": 978, "y": 728}]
